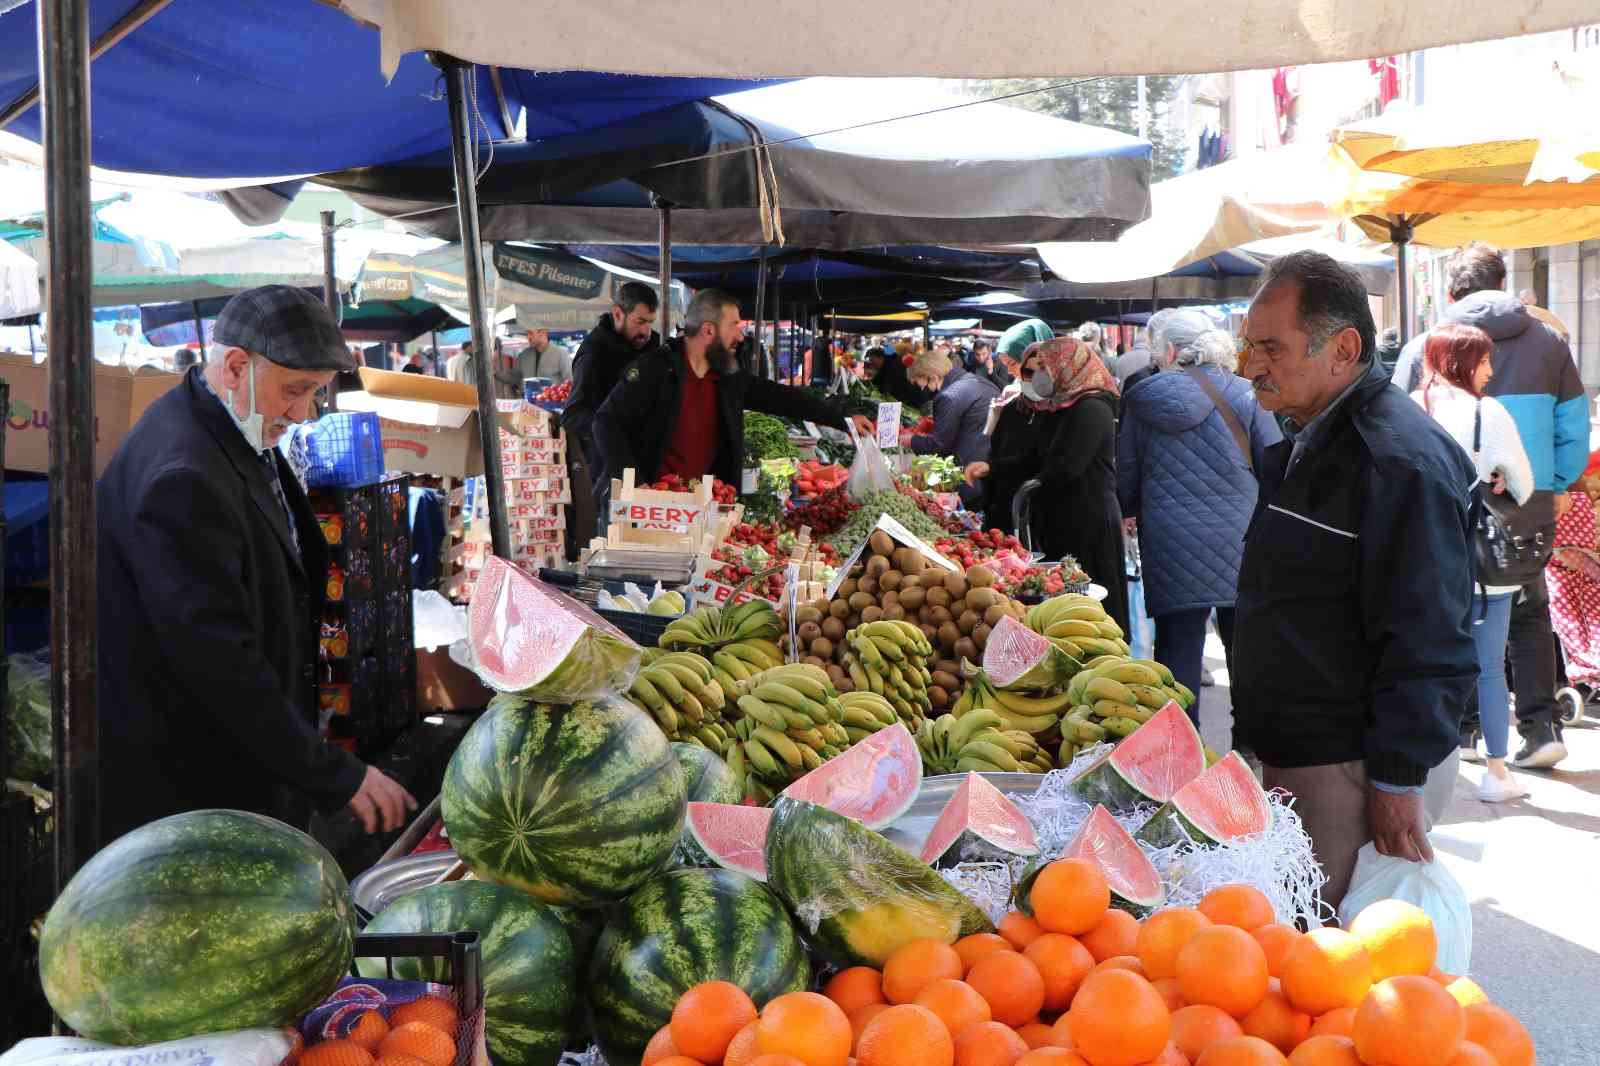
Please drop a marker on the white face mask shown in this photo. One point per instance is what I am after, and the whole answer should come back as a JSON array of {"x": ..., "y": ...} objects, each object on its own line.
[
  {"x": 1039, "y": 386},
  {"x": 253, "y": 425}
]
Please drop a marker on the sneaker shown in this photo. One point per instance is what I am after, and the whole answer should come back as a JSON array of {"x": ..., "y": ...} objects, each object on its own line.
[
  {"x": 1207, "y": 680},
  {"x": 1540, "y": 751},
  {"x": 1469, "y": 746},
  {"x": 1494, "y": 789}
]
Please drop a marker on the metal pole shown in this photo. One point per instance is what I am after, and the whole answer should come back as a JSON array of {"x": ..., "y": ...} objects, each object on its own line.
[
  {"x": 330, "y": 285},
  {"x": 1400, "y": 232},
  {"x": 64, "y": 94},
  {"x": 456, "y": 74},
  {"x": 199, "y": 330},
  {"x": 665, "y": 255},
  {"x": 761, "y": 311},
  {"x": 777, "y": 317}
]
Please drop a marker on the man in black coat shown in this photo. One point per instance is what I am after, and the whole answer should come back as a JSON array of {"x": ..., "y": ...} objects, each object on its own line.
[
  {"x": 681, "y": 411},
  {"x": 211, "y": 576},
  {"x": 1353, "y": 653}
]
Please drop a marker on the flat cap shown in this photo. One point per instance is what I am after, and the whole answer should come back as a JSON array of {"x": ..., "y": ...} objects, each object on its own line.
[{"x": 288, "y": 326}]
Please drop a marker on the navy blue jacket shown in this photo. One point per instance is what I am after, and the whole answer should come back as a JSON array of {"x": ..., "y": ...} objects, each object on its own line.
[
  {"x": 1180, "y": 473},
  {"x": 1351, "y": 634}
]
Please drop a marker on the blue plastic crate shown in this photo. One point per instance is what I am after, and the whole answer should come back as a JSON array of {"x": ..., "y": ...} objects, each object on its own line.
[{"x": 344, "y": 450}]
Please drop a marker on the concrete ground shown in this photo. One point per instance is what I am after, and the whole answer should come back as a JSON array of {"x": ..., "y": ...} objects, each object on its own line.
[{"x": 1531, "y": 869}]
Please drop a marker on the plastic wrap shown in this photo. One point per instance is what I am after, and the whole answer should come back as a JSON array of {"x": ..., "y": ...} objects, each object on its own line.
[
  {"x": 239, "y": 1047},
  {"x": 1017, "y": 658},
  {"x": 27, "y": 735},
  {"x": 529, "y": 638}
]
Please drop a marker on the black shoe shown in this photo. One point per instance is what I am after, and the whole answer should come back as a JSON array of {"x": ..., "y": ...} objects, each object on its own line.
[{"x": 1540, "y": 751}]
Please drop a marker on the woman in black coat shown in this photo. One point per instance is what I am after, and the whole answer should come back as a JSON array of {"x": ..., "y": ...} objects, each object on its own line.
[{"x": 1060, "y": 427}]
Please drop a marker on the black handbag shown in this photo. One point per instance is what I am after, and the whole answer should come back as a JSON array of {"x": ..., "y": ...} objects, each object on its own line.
[{"x": 1510, "y": 543}]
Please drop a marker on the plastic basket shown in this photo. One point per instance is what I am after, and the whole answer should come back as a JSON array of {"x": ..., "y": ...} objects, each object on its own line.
[
  {"x": 344, "y": 450},
  {"x": 643, "y": 629},
  {"x": 457, "y": 958}
]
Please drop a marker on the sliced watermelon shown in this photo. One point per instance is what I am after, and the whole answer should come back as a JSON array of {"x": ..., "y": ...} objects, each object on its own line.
[
  {"x": 732, "y": 835},
  {"x": 873, "y": 782},
  {"x": 1135, "y": 885},
  {"x": 980, "y": 812},
  {"x": 529, "y": 638},
  {"x": 1225, "y": 802},
  {"x": 1149, "y": 766},
  {"x": 1015, "y": 657}
]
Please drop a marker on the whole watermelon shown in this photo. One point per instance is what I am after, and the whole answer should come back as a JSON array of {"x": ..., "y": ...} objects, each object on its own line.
[
  {"x": 685, "y": 927},
  {"x": 527, "y": 959},
  {"x": 577, "y": 804},
  {"x": 197, "y": 923},
  {"x": 706, "y": 778}
]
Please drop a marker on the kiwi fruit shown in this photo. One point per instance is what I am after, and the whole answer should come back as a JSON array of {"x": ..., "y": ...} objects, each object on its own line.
[
  {"x": 893, "y": 612},
  {"x": 925, "y": 615},
  {"x": 938, "y": 696},
  {"x": 969, "y": 620},
  {"x": 822, "y": 647},
  {"x": 948, "y": 666},
  {"x": 807, "y": 614},
  {"x": 981, "y": 597},
  {"x": 836, "y": 673},
  {"x": 853, "y": 621},
  {"x": 958, "y": 607},
  {"x": 877, "y": 565},
  {"x": 783, "y": 643},
  {"x": 940, "y": 615},
  {"x": 980, "y": 635},
  {"x": 844, "y": 684},
  {"x": 911, "y": 581},
  {"x": 980, "y": 577},
  {"x": 946, "y": 680},
  {"x": 846, "y": 589},
  {"x": 931, "y": 632},
  {"x": 956, "y": 585},
  {"x": 809, "y": 631},
  {"x": 860, "y": 601},
  {"x": 948, "y": 634},
  {"x": 820, "y": 605},
  {"x": 887, "y": 598},
  {"x": 840, "y": 608},
  {"x": 890, "y": 579},
  {"x": 832, "y": 627},
  {"x": 912, "y": 598},
  {"x": 868, "y": 584},
  {"x": 871, "y": 613},
  {"x": 992, "y": 616},
  {"x": 913, "y": 562},
  {"x": 938, "y": 596},
  {"x": 966, "y": 649},
  {"x": 880, "y": 543},
  {"x": 816, "y": 661}
]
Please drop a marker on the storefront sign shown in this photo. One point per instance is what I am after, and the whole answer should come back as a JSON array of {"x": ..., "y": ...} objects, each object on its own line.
[{"x": 564, "y": 274}]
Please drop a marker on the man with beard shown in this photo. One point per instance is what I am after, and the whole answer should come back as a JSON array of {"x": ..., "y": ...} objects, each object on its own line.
[{"x": 681, "y": 411}]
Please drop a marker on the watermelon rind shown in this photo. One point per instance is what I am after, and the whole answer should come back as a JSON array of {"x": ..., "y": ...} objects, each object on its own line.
[
  {"x": 875, "y": 781},
  {"x": 1146, "y": 767},
  {"x": 706, "y": 777},
  {"x": 682, "y": 928},
  {"x": 979, "y": 822},
  {"x": 857, "y": 896},
  {"x": 575, "y": 804},
  {"x": 1226, "y": 802},
  {"x": 197, "y": 923},
  {"x": 527, "y": 962},
  {"x": 730, "y": 835},
  {"x": 1017, "y": 658}
]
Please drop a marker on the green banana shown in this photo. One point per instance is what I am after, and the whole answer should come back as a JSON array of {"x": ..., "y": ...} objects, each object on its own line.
[
  {"x": 1120, "y": 727},
  {"x": 990, "y": 753},
  {"x": 761, "y": 759},
  {"x": 974, "y": 723},
  {"x": 1105, "y": 688},
  {"x": 776, "y": 741},
  {"x": 762, "y": 713}
]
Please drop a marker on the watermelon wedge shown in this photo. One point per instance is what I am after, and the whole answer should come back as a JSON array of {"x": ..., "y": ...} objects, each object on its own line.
[
  {"x": 873, "y": 782},
  {"x": 1148, "y": 766},
  {"x": 732, "y": 835},
  {"x": 529, "y": 638},
  {"x": 979, "y": 812},
  {"x": 1225, "y": 802},
  {"x": 1135, "y": 885},
  {"x": 1016, "y": 657}
]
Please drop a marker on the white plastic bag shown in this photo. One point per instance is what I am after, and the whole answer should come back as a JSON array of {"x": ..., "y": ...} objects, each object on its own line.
[
  {"x": 870, "y": 472},
  {"x": 240, "y": 1047},
  {"x": 1426, "y": 884}
]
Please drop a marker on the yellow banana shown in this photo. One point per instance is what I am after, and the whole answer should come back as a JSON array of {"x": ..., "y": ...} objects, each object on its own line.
[
  {"x": 781, "y": 745},
  {"x": 972, "y": 724},
  {"x": 1104, "y": 688},
  {"x": 1072, "y": 627},
  {"x": 762, "y": 714},
  {"x": 1033, "y": 705},
  {"x": 760, "y": 758}
]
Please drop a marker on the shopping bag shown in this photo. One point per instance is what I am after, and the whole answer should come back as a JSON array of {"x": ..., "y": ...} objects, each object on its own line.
[
  {"x": 870, "y": 472},
  {"x": 1427, "y": 885}
]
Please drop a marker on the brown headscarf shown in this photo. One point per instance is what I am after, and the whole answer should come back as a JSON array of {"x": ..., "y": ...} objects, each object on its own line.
[{"x": 1075, "y": 370}]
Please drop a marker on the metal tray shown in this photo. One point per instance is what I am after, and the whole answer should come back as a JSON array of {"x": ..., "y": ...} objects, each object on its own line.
[{"x": 387, "y": 881}]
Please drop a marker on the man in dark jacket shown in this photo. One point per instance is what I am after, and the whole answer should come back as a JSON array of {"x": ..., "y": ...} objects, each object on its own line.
[
  {"x": 961, "y": 407},
  {"x": 1353, "y": 654},
  {"x": 1537, "y": 381},
  {"x": 211, "y": 576},
  {"x": 681, "y": 411},
  {"x": 986, "y": 366}
]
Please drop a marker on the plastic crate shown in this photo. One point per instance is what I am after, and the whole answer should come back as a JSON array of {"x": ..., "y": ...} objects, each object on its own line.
[{"x": 344, "y": 450}]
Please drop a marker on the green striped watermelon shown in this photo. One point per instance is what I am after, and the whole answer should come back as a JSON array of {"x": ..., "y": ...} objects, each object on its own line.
[
  {"x": 706, "y": 778},
  {"x": 576, "y": 804},
  {"x": 197, "y": 923},
  {"x": 527, "y": 957},
  {"x": 685, "y": 927}
]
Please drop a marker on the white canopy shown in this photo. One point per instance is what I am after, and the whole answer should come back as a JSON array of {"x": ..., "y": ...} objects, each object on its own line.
[{"x": 19, "y": 283}]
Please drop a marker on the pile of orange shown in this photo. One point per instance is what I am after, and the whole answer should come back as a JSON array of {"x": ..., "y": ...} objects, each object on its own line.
[
  {"x": 1080, "y": 984},
  {"x": 419, "y": 1033}
]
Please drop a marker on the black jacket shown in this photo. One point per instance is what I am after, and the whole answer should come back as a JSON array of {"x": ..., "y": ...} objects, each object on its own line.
[
  {"x": 893, "y": 383},
  {"x": 208, "y": 628},
  {"x": 596, "y": 369},
  {"x": 1351, "y": 632},
  {"x": 633, "y": 426}
]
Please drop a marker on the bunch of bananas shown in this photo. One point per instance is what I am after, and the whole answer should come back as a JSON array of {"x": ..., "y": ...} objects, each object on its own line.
[
  {"x": 707, "y": 628},
  {"x": 790, "y": 721},
  {"x": 978, "y": 742},
  {"x": 865, "y": 713},
  {"x": 890, "y": 659},
  {"x": 737, "y": 663},
  {"x": 1114, "y": 695},
  {"x": 1078, "y": 625},
  {"x": 680, "y": 691},
  {"x": 1028, "y": 714}
]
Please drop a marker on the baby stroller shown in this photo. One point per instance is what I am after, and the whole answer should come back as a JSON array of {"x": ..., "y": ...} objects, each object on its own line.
[{"x": 1573, "y": 577}]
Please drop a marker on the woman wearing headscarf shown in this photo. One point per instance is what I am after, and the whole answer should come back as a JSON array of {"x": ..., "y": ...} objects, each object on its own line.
[
  {"x": 1014, "y": 342},
  {"x": 961, "y": 406},
  {"x": 1058, "y": 424}
]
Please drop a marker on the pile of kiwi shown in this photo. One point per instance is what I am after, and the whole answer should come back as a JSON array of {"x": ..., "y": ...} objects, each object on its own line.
[{"x": 957, "y": 611}]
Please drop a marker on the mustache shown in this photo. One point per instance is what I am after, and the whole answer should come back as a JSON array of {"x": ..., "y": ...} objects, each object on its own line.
[{"x": 1263, "y": 384}]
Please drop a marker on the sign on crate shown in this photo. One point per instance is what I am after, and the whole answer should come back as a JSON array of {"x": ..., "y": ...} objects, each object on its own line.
[
  {"x": 889, "y": 425},
  {"x": 689, "y": 523}
]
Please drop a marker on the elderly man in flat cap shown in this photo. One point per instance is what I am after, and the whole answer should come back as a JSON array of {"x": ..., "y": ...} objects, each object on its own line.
[{"x": 211, "y": 576}]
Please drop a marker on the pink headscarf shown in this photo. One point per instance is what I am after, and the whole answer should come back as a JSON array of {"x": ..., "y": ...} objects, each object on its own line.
[{"x": 1073, "y": 368}]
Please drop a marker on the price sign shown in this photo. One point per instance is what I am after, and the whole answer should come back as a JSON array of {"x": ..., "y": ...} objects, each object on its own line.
[{"x": 889, "y": 425}]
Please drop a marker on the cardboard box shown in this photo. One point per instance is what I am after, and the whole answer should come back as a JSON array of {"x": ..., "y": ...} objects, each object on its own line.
[
  {"x": 442, "y": 685},
  {"x": 120, "y": 398},
  {"x": 429, "y": 425}
]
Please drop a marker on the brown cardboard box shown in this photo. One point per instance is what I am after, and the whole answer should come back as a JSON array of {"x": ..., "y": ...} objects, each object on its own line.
[
  {"x": 429, "y": 425},
  {"x": 120, "y": 397},
  {"x": 442, "y": 685}
]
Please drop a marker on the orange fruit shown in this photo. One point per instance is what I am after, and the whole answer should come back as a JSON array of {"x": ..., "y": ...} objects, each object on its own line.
[
  {"x": 956, "y": 1003},
  {"x": 337, "y": 1053},
  {"x": 1062, "y": 1031},
  {"x": 1019, "y": 929},
  {"x": 1398, "y": 937},
  {"x": 1324, "y": 969},
  {"x": 1063, "y": 962},
  {"x": 906, "y": 1035},
  {"x": 859, "y": 1019},
  {"x": 1197, "y": 1027},
  {"x": 1052, "y": 1056},
  {"x": 419, "y": 1040},
  {"x": 1276, "y": 940},
  {"x": 1466, "y": 991},
  {"x": 1326, "y": 1051},
  {"x": 974, "y": 947},
  {"x": 1170, "y": 1056},
  {"x": 1070, "y": 896},
  {"x": 684, "y": 1060},
  {"x": 1012, "y": 985},
  {"x": 855, "y": 987},
  {"x": 398, "y": 1060},
  {"x": 1118, "y": 1019},
  {"x": 1224, "y": 966},
  {"x": 439, "y": 1013},
  {"x": 1130, "y": 963},
  {"x": 1241, "y": 1051},
  {"x": 1470, "y": 1054},
  {"x": 660, "y": 1047},
  {"x": 369, "y": 1030},
  {"x": 742, "y": 1049},
  {"x": 1341, "y": 1021},
  {"x": 1279, "y": 1024},
  {"x": 708, "y": 1016},
  {"x": 1038, "y": 1035},
  {"x": 1241, "y": 906},
  {"x": 989, "y": 1044},
  {"x": 1409, "y": 1021},
  {"x": 1115, "y": 934},
  {"x": 1163, "y": 935},
  {"x": 916, "y": 965},
  {"x": 762, "y": 1060},
  {"x": 1171, "y": 990},
  {"x": 807, "y": 1025},
  {"x": 1500, "y": 1034}
]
